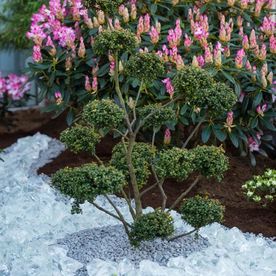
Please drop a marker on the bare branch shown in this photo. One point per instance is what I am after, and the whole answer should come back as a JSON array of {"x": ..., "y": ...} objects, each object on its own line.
[
  {"x": 182, "y": 235},
  {"x": 181, "y": 197},
  {"x": 193, "y": 133}
]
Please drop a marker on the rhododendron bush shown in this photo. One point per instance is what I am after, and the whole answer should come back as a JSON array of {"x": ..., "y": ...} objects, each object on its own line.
[
  {"x": 234, "y": 41},
  {"x": 13, "y": 91}
]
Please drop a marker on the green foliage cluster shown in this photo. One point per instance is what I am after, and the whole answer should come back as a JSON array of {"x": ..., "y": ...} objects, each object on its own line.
[
  {"x": 210, "y": 161},
  {"x": 262, "y": 188},
  {"x": 114, "y": 41},
  {"x": 103, "y": 114},
  {"x": 109, "y": 6},
  {"x": 200, "y": 90},
  {"x": 88, "y": 181},
  {"x": 201, "y": 211},
  {"x": 174, "y": 163},
  {"x": 159, "y": 115},
  {"x": 190, "y": 82},
  {"x": 151, "y": 226},
  {"x": 80, "y": 138},
  {"x": 142, "y": 156},
  {"x": 145, "y": 67},
  {"x": 219, "y": 99}
]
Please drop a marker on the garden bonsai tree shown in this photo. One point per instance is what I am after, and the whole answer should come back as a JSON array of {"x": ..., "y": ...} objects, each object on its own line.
[{"x": 133, "y": 161}]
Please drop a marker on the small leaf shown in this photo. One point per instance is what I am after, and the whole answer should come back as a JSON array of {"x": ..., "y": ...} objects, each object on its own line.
[
  {"x": 252, "y": 159},
  {"x": 234, "y": 139},
  {"x": 220, "y": 135},
  {"x": 205, "y": 134},
  {"x": 70, "y": 117}
]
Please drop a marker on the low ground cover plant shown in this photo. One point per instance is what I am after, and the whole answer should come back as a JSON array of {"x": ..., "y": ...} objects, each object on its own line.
[
  {"x": 134, "y": 161},
  {"x": 233, "y": 40},
  {"x": 262, "y": 188}
]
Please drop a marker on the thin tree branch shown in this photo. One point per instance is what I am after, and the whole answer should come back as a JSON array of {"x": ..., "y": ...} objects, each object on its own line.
[
  {"x": 105, "y": 211},
  {"x": 135, "y": 104},
  {"x": 181, "y": 197},
  {"x": 131, "y": 210},
  {"x": 98, "y": 159},
  {"x": 125, "y": 224},
  {"x": 153, "y": 138},
  {"x": 193, "y": 133},
  {"x": 160, "y": 186},
  {"x": 148, "y": 189},
  {"x": 119, "y": 93},
  {"x": 182, "y": 235}
]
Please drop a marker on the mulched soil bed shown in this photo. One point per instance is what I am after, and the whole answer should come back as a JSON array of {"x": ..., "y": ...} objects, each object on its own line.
[{"x": 245, "y": 215}]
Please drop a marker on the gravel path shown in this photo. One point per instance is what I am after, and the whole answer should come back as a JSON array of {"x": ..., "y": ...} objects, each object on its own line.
[{"x": 111, "y": 243}]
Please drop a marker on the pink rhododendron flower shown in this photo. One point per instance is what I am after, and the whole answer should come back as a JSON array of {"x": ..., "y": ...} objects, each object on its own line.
[
  {"x": 229, "y": 121},
  {"x": 245, "y": 42},
  {"x": 201, "y": 61},
  {"x": 154, "y": 35},
  {"x": 208, "y": 55},
  {"x": 58, "y": 98},
  {"x": 82, "y": 50},
  {"x": 140, "y": 26},
  {"x": 37, "y": 56},
  {"x": 187, "y": 41},
  {"x": 167, "y": 137},
  {"x": 262, "y": 53},
  {"x": 146, "y": 23},
  {"x": 95, "y": 84},
  {"x": 241, "y": 97},
  {"x": 268, "y": 26},
  {"x": 252, "y": 39},
  {"x": 112, "y": 68},
  {"x": 239, "y": 58},
  {"x": 261, "y": 109},
  {"x": 87, "y": 85},
  {"x": 169, "y": 86},
  {"x": 272, "y": 44},
  {"x": 252, "y": 144},
  {"x": 17, "y": 86}
]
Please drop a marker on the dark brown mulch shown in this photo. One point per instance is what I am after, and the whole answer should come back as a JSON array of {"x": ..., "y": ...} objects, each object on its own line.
[{"x": 245, "y": 215}]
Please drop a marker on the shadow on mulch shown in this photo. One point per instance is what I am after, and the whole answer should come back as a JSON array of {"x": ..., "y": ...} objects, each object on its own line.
[{"x": 240, "y": 213}]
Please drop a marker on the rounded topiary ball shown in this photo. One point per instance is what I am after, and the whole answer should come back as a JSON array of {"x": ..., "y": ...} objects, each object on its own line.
[
  {"x": 114, "y": 41},
  {"x": 109, "y": 6},
  {"x": 210, "y": 161},
  {"x": 80, "y": 138},
  {"x": 190, "y": 83},
  {"x": 201, "y": 211},
  {"x": 88, "y": 181},
  {"x": 160, "y": 115},
  {"x": 174, "y": 163},
  {"x": 145, "y": 67},
  {"x": 157, "y": 224},
  {"x": 219, "y": 99},
  {"x": 103, "y": 114}
]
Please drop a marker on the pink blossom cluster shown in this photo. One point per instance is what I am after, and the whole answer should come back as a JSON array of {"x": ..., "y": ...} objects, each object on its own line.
[
  {"x": 254, "y": 143},
  {"x": 48, "y": 26},
  {"x": 199, "y": 26},
  {"x": 14, "y": 86}
]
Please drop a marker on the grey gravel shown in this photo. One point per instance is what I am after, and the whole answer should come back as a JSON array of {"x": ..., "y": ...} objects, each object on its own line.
[{"x": 111, "y": 243}]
